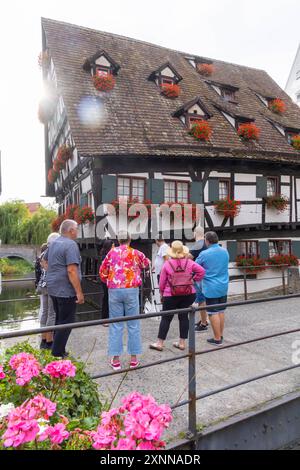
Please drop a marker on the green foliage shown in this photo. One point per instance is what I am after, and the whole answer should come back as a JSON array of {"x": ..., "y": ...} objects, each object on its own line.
[
  {"x": 78, "y": 398},
  {"x": 17, "y": 225},
  {"x": 9, "y": 266}
]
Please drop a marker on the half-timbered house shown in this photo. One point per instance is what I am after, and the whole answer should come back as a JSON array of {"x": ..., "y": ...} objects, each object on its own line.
[{"x": 134, "y": 141}]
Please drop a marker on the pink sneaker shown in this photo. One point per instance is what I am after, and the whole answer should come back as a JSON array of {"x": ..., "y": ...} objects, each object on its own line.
[
  {"x": 134, "y": 364},
  {"x": 116, "y": 365}
]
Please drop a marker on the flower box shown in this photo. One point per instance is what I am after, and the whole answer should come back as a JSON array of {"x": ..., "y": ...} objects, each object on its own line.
[
  {"x": 52, "y": 176},
  {"x": 104, "y": 82},
  {"x": 58, "y": 165},
  {"x": 254, "y": 264},
  {"x": 84, "y": 215},
  {"x": 296, "y": 142},
  {"x": 228, "y": 207},
  {"x": 170, "y": 90},
  {"x": 201, "y": 130},
  {"x": 205, "y": 69},
  {"x": 277, "y": 106},
  {"x": 64, "y": 153},
  {"x": 278, "y": 202},
  {"x": 56, "y": 223},
  {"x": 249, "y": 131},
  {"x": 277, "y": 260}
]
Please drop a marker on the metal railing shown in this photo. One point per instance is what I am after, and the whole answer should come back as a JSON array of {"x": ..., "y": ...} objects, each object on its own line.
[{"x": 191, "y": 355}]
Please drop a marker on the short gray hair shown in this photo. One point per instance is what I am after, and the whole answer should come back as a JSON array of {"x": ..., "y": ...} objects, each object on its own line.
[
  {"x": 123, "y": 237},
  {"x": 211, "y": 237},
  {"x": 67, "y": 225},
  {"x": 53, "y": 236},
  {"x": 199, "y": 232}
]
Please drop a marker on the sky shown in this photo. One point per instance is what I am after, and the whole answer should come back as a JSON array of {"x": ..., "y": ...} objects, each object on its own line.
[{"x": 258, "y": 33}]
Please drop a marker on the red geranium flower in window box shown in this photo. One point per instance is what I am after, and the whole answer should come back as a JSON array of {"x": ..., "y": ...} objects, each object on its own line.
[
  {"x": 104, "y": 82},
  {"x": 290, "y": 260},
  {"x": 228, "y": 207},
  {"x": 58, "y": 165},
  {"x": 52, "y": 176},
  {"x": 253, "y": 263},
  {"x": 201, "y": 130},
  {"x": 71, "y": 211},
  {"x": 205, "y": 69},
  {"x": 56, "y": 223},
  {"x": 170, "y": 90},
  {"x": 64, "y": 153},
  {"x": 84, "y": 214},
  {"x": 278, "y": 202},
  {"x": 249, "y": 131},
  {"x": 296, "y": 142},
  {"x": 277, "y": 106}
]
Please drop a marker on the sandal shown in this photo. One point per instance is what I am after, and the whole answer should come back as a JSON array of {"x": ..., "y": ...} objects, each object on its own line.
[
  {"x": 177, "y": 345},
  {"x": 156, "y": 347}
]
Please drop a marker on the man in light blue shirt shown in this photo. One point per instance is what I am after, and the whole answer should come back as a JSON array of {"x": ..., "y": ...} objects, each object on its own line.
[{"x": 215, "y": 261}]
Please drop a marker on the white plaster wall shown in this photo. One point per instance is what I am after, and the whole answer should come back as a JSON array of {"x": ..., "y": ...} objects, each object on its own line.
[
  {"x": 245, "y": 193},
  {"x": 249, "y": 214},
  {"x": 242, "y": 177},
  {"x": 86, "y": 184}
]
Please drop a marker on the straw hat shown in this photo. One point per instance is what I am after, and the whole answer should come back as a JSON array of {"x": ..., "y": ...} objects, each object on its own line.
[{"x": 177, "y": 250}]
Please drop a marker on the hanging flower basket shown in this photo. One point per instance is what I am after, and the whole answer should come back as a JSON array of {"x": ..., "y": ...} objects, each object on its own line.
[
  {"x": 104, "y": 82},
  {"x": 278, "y": 202},
  {"x": 201, "y": 130},
  {"x": 56, "y": 223},
  {"x": 253, "y": 263},
  {"x": 249, "y": 131},
  {"x": 296, "y": 142},
  {"x": 170, "y": 90},
  {"x": 71, "y": 211},
  {"x": 290, "y": 260},
  {"x": 64, "y": 153},
  {"x": 205, "y": 69},
  {"x": 84, "y": 214},
  {"x": 52, "y": 176},
  {"x": 277, "y": 106},
  {"x": 58, "y": 165},
  {"x": 228, "y": 207}
]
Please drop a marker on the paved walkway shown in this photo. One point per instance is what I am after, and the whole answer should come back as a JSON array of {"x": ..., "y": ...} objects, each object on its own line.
[{"x": 168, "y": 382}]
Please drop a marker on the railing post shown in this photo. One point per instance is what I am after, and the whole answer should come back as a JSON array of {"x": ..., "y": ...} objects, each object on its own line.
[
  {"x": 192, "y": 424},
  {"x": 245, "y": 285},
  {"x": 283, "y": 280}
]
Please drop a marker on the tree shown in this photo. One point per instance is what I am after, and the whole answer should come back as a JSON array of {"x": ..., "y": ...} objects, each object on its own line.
[{"x": 36, "y": 229}]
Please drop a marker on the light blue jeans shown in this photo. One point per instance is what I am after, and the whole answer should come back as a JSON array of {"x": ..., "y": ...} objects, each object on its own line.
[{"x": 124, "y": 302}]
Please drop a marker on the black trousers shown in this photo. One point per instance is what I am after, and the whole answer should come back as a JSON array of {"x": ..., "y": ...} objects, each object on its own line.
[
  {"x": 171, "y": 303},
  {"x": 104, "y": 305},
  {"x": 65, "y": 309}
]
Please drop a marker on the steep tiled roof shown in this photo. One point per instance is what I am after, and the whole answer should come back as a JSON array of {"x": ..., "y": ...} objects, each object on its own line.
[{"x": 140, "y": 121}]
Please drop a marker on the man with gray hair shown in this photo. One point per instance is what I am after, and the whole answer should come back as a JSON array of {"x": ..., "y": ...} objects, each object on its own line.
[{"x": 64, "y": 281}]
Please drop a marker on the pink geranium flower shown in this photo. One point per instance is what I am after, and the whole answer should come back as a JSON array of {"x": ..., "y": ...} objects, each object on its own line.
[
  {"x": 57, "y": 433},
  {"x": 26, "y": 367},
  {"x": 2, "y": 374},
  {"x": 60, "y": 369}
]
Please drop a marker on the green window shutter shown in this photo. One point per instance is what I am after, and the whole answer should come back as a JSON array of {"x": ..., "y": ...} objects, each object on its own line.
[
  {"x": 157, "y": 194},
  {"x": 261, "y": 186},
  {"x": 296, "y": 248},
  {"x": 264, "y": 250},
  {"x": 196, "y": 192},
  {"x": 109, "y": 188},
  {"x": 213, "y": 190},
  {"x": 83, "y": 200},
  {"x": 232, "y": 250}
]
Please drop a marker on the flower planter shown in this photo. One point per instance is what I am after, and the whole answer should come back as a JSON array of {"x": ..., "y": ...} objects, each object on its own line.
[
  {"x": 296, "y": 142},
  {"x": 56, "y": 223},
  {"x": 278, "y": 202},
  {"x": 253, "y": 263},
  {"x": 52, "y": 176},
  {"x": 277, "y": 260},
  {"x": 277, "y": 106},
  {"x": 104, "y": 82},
  {"x": 249, "y": 131},
  {"x": 64, "y": 153},
  {"x": 228, "y": 207},
  {"x": 170, "y": 90},
  {"x": 58, "y": 165},
  {"x": 84, "y": 215},
  {"x": 201, "y": 130},
  {"x": 205, "y": 69}
]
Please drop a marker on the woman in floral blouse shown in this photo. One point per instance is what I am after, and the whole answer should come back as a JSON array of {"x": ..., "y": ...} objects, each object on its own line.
[{"x": 121, "y": 271}]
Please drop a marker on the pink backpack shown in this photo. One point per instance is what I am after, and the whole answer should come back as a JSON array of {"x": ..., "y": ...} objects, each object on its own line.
[{"x": 181, "y": 283}]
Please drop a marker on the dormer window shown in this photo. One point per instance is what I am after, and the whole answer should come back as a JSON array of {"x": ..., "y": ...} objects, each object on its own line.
[
  {"x": 192, "y": 112},
  {"x": 102, "y": 71},
  {"x": 165, "y": 75},
  {"x": 101, "y": 64},
  {"x": 227, "y": 92}
]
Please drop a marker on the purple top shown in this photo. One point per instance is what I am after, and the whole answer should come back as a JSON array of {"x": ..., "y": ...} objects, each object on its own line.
[{"x": 166, "y": 272}]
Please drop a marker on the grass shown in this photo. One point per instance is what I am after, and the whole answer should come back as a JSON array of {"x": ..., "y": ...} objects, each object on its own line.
[{"x": 15, "y": 266}]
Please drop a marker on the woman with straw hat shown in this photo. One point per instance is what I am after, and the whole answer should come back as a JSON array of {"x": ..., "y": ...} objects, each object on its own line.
[{"x": 177, "y": 290}]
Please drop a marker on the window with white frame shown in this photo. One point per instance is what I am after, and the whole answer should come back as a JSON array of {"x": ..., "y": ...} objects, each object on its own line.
[
  {"x": 176, "y": 191},
  {"x": 76, "y": 196},
  {"x": 90, "y": 199},
  {"x": 272, "y": 186},
  {"x": 224, "y": 188},
  {"x": 132, "y": 188},
  {"x": 247, "y": 248}
]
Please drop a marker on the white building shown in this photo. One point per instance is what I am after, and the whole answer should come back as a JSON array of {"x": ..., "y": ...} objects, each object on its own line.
[{"x": 293, "y": 84}]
